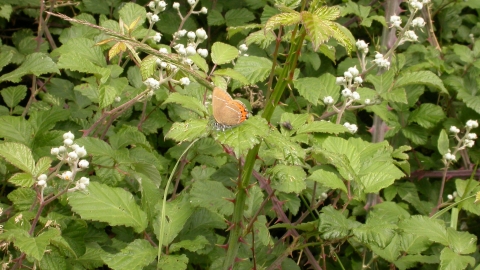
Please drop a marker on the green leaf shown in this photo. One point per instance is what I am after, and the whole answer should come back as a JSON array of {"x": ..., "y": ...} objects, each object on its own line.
[
  {"x": 22, "y": 198},
  {"x": 42, "y": 166},
  {"x": 281, "y": 149},
  {"x": 13, "y": 95},
  {"x": 427, "y": 115},
  {"x": 421, "y": 77},
  {"x": 328, "y": 179},
  {"x": 95, "y": 146},
  {"x": 202, "y": 196},
  {"x": 396, "y": 95},
  {"x": 215, "y": 18},
  {"x": 322, "y": 127},
  {"x": 410, "y": 261},
  {"x": 106, "y": 96},
  {"x": 228, "y": 72},
  {"x": 43, "y": 121},
  {"x": 73, "y": 237},
  {"x": 334, "y": 224},
  {"x": 223, "y": 53},
  {"x": 199, "y": 62},
  {"x": 93, "y": 256},
  {"x": 187, "y": 102},
  {"x": 443, "y": 144},
  {"x": 416, "y": 134},
  {"x": 36, "y": 64},
  {"x": 382, "y": 83},
  {"x": 114, "y": 206},
  {"x": 6, "y": 11},
  {"x": 308, "y": 88},
  {"x": 254, "y": 68},
  {"x": 461, "y": 242},
  {"x": 5, "y": 58},
  {"x": 177, "y": 213},
  {"x": 288, "y": 179},
  {"x": 148, "y": 66},
  {"x": 374, "y": 182},
  {"x": 199, "y": 243},
  {"x": 283, "y": 19},
  {"x": 132, "y": 12},
  {"x": 236, "y": 17},
  {"x": 34, "y": 246},
  {"x": 22, "y": 180},
  {"x": 433, "y": 229},
  {"x": 450, "y": 260},
  {"x": 188, "y": 130},
  {"x": 318, "y": 30},
  {"x": 375, "y": 232},
  {"x": 136, "y": 255},
  {"x": 18, "y": 155},
  {"x": 177, "y": 262},
  {"x": 244, "y": 136}
]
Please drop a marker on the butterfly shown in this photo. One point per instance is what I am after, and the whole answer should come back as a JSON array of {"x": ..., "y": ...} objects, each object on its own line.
[{"x": 227, "y": 112}]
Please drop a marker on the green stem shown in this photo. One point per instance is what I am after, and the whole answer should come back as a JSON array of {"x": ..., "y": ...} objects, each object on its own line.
[
  {"x": 164, "y": 203},
  {"x": 283, "y": 80}
]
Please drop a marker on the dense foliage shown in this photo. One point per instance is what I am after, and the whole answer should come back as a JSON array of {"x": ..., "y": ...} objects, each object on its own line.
[{"x": 359, "y": 151}]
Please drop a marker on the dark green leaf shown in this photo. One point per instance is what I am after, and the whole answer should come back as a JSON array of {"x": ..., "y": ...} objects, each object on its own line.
[{"x": 13, "y": 95}]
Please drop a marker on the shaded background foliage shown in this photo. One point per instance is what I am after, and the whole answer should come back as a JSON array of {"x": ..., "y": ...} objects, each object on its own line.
[{"x": 306, "y": 210}]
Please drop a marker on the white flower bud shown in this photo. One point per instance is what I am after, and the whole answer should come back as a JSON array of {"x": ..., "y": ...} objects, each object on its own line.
[
  {"x": 42, "y": 183},
  {"x": 81, "y": 152},
  {"x": 176, "y": 5},
  {"x": 188, "y": 61},
  {"x": 191, "y": 35},
  {"x": 83, "y": 164},
  {"x": 152, "y": 83},
  {"x": 185, "y": 81},
  {"x": 340, "y": 80},
  {"x": 162, "y": 4},
  {"x": 181, "y": 33},
  {"x": 354, "y": 71},
  {"x": 201, "y": 34},
  {"x": 204, "y": 10},
  {"x": 347, "y": 75},
  {"x": 367, "y": 101},
  {"x": 358, "y": 80},
  {"x": 157, "y": 38},
  {"x": 328, "y": 100},
  {"x": 118, "y": 99},
  {"x": 469, "y": 143},
  {"x": 472, "y": 124},
  {"x": 472, "y": 136},
  {"x": 449, "y": 157},
  {"x": 202, "y": 52},
  {"x": 356, "y": 96},
  {"x": 454, "y": 129},
  {"x": 190, "y": 50},
  {"x": 62, "y": 149},
  {"x": 396, "y": 21},
  {"x": 68, "y": 135},
  {"x": 42, "y": 177},
  {"x": 54, "y": 151},
  {"x": 163, "y": 50},
  {"x": 182, "y": 51},
  {"x": 346, "y": 92},
  {"x": 411, "y": 36},
  {"x": 450, "y": 197},
  {"x": 155, "y": 18},
  {"x": 243, "y": 47},
  {"x": 81, "y": 186},
  {"x": 151, "y": 5},
  {"x": 73, "y": 155},
  {"x": 418, "y": 22},
  {"x": 84, "y": 180},
  {"x": 191, "y": 2},
  {"x": 67, "y": 175},
  {"x": 67, "y": 142}
]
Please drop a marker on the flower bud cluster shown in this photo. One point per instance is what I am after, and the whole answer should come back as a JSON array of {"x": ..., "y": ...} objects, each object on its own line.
[
  {"x": 351, "y": 79},
  {"x": 71, "y": 154},
  {"x": 467, "y": 141},
  {"x": 242, "y": 49},
  {"x": 351, "y": 127}
]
